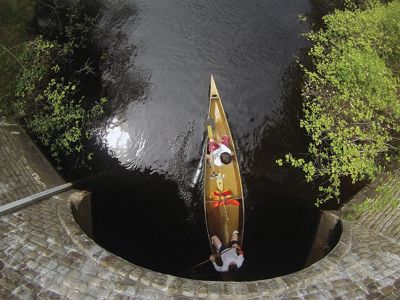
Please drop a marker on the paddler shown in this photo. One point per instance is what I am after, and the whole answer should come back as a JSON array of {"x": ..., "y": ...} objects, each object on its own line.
[
  {"x": 220, "y": 152},
  {"x": 232, "y": 258}
]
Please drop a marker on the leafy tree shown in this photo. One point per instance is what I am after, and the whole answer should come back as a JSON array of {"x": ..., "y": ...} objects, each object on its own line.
[
  {"x": 46, "y": 76},
  {"x": 351, "y": 98}
]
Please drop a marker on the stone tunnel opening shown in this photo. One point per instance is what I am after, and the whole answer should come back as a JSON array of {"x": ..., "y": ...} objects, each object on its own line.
[{"x": 143, "y": 220}]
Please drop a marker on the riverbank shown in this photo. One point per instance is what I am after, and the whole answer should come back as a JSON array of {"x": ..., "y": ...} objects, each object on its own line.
[
  {"x": 44, "y": 253},
  {"x": 50, "y": 77},
  {"x": 377, "y": 205},
  {"x": 351, "y": 110}
]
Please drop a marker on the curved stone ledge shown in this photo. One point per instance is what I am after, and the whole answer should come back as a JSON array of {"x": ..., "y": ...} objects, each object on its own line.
[
  {"x": 176, "y": 286},
  {"x": 44, "y": 254}
]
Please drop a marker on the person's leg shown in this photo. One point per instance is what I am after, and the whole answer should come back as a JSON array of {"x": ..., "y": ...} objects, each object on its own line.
[
  {"x": 235, "y": 236},
  {"x": 234, "y": 239},
  {"x": 217, "y": 244}
]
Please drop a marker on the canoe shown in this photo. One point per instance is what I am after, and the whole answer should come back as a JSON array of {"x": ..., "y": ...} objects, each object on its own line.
[{"x": 223, "y": 192}]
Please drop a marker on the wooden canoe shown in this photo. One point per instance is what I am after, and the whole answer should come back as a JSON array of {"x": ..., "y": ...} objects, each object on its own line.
[{"x": 222, "y": 220}]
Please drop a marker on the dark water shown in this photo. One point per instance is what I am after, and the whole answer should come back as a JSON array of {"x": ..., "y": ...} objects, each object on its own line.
[{"x": 160, "y": 55}]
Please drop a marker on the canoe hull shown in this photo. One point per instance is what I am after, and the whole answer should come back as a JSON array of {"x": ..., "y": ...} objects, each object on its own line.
[{"x": 222, "y": 220}]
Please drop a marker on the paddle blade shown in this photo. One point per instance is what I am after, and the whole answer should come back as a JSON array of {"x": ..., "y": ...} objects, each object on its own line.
[{"x": 210, "y": 125}]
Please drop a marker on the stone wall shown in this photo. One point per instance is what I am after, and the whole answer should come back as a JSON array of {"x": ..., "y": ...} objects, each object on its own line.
[{"x": 45, "y": 254}]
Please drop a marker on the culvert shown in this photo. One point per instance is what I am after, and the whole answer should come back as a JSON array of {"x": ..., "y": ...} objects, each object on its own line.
[
  {"x": 155, "y": 229},
  {"x": 154, "y": 284}
]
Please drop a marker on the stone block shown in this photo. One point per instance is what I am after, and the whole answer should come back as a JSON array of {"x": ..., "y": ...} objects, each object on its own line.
[
  {"x": 74, "y": 294},
  {"x": 118, "y": 286},
  {"x": 374, "y": 296},
  {"x": 175, "y": 286},
  {"x": 30, "y": 274},
  {"x": 112, "y": 262},
  {"x": 7, "y": 284},
  {"x": 39, "y": 241},
  {"x": 23, "y": 293},
  {"x": 387, "y": 290},
  {"x": 148, "y": 277},
  {"x": 131, "y": 290},
  {"x": 99, "y": 291},
  {"x": 48, "y": 295},
  {"x": 188, "y": 288},
  {"x": 201, "y": 290},
  {"x": 252, "y": 290},
  {"x": 159, "y": 281},
  {"x": 70, "y": 282},
  {"x": 136, "y": 274},
  {"x": 213, "y": 290},
  {"x": 229, "y": 290},
  {"x": 270, "y": 286},
  {"x": 295, "y": 280},
  {"x": 148, "y": 293}
]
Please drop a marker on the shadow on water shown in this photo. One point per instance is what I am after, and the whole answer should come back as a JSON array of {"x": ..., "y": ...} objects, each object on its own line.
[
  {"x": 146, "y": 223},
  {"x": 123, "y": 82}
]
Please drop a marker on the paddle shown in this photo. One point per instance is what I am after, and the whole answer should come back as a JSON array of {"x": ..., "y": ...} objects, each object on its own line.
[
  {"x": 207, "y": 260},
  {"x": 209, "y": 124},
  {"x": 200, "y": 165}
]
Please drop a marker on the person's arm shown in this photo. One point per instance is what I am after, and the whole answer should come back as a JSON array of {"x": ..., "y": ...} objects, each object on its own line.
[
  {"x": 212, "y": 145},
  {"x": 240, "y": 260},
  {"x": 210, "y": 161},
  {"x": 217, "y": 268},
  {"x": 239, "y": 250}
]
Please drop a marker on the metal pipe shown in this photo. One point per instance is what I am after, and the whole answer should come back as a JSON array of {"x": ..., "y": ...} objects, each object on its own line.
[{"x": 7, "y": 208}]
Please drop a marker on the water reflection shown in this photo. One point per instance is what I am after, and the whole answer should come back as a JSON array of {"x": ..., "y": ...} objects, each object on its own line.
[
  {"x": 117, "y": 140},
  {"x": 160, "y": 55}
]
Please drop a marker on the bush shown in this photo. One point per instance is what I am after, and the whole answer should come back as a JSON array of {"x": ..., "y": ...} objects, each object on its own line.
[
  {"x": 16, "y": 18},
  {"x": 48, "y": 96},
  {"x": 351, "y": 98}
]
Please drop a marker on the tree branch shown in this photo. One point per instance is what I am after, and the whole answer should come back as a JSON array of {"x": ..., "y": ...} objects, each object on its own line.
[{"x": 12, "y": 54}]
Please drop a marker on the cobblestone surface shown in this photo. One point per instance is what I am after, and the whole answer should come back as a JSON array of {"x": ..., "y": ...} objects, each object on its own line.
[
  {"x": 18, "y": 178},
  {"x": 386, "y": 221},
  {"x": 44, "y": 254}
]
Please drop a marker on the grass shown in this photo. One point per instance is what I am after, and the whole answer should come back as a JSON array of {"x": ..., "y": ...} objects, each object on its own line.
[{"x": 384, "y": 198}]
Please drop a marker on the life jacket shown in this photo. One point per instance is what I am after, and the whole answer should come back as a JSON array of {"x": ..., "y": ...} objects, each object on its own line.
[{"x": 223, "y": 198}]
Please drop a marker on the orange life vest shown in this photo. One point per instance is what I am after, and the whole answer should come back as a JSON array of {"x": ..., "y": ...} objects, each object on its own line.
[{"x": 223, "y": 198}]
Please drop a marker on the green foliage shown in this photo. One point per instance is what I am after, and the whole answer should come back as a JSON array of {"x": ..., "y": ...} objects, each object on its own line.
[
  {"x": 50, "y": 108},
  {"x": 46, "y": 92},
  {"x": 384, "y": 198},
  {"x": 377, "y": 28},
  {"x": 15, "y": 23},
  {"x": 351, "y": 98},
  {"x": 60, "y": 126}
]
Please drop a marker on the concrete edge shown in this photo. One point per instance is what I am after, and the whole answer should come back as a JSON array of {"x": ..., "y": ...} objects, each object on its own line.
[{"x": 176, "y": 286}]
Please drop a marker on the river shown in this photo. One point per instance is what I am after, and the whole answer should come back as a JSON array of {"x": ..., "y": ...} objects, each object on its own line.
[{"x": 156, "y": 72}]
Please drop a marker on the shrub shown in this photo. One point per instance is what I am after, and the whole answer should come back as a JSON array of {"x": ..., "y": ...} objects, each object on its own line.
[
  {"x": 48, "y": 95},
  {"x": 351, "y": 98}
]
